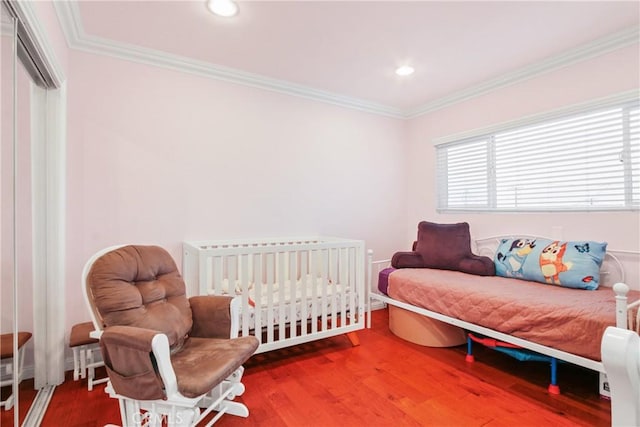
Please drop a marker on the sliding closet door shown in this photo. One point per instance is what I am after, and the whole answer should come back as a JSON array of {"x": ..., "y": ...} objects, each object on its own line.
[
  {"x": 32, "y": 186},
  {"x": 7, "y": 129},
  {"x": 24, "y": 214},
  {"x": 8, "y": 265}
]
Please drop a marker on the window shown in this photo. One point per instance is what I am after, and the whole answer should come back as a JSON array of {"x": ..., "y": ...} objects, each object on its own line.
[{"x": 588, "y": 160}]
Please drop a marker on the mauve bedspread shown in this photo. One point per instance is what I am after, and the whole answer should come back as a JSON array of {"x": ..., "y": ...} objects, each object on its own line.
[{"x": 566, "y": 319}]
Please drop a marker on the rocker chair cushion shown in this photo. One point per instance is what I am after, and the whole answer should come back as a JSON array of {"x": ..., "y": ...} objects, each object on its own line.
[
  {"x": 200, "y": 365},
  {"x": 205, "y": 362},
  {"x": 141, "y": 286}
]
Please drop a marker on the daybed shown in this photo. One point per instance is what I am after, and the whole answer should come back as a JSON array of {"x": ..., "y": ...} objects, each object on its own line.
[{"x": 445, "y": 281}]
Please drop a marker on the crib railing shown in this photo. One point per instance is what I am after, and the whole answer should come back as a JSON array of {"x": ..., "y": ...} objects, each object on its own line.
[{"x": 291, "y": 290}]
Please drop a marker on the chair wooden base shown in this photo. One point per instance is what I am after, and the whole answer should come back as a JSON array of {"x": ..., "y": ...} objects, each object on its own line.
[{"x": 184, "y": 411}]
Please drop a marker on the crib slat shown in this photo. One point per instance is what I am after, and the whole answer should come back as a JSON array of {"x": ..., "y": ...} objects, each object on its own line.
[
  {"x": 206, "y": 277},
  {"x": 361, "y": 293},
  {"x": 315, "y": 272},
  {"x": 293, "y": 289},
  {"x": 342, "y": 286},
  {"x": 324, "y": 275},
  {"x": 217, "y": 275},
  {"x": 270, "y": 293},
  {"x": 330, "y": 285},
  {"x": 282, "y": 256},
  {"x": 304, "y": 284},
  {"x": 243, "y": 266},
  {"x": 257, "y": 291},
  {"x": 353, "y": 266}
]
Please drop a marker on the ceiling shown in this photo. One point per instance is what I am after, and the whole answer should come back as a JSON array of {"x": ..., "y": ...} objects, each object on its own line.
[{"x": 348, "y": 50}]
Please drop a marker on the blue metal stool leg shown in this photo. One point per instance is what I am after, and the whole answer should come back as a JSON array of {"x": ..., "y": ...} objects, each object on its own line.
[
  {"x": 553, "y": 387},
  {"x": 469, "y": 357}
]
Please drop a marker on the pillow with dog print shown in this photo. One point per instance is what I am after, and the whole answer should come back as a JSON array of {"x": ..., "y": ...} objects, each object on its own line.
[{"x": 574, "y": 264}]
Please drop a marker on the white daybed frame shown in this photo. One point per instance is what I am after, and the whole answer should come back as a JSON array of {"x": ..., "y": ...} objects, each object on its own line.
[
  {"x": 612, "y": 275},
  {"x": 325, "y": 274}
]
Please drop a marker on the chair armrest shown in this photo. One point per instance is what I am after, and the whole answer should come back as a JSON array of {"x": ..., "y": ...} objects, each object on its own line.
[
  {"x": 126, "y": 351},
  {"x": 211, "y": 316},
  {"x": 407, "y": 260}
]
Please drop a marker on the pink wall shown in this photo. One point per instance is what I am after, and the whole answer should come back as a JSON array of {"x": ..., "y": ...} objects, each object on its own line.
[
  {"x": 156, "y": 156},
  {"x": 591, "y": 79}
]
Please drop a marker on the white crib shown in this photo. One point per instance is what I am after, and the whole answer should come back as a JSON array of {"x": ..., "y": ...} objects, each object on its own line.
[{"x": 292, "y": 290}]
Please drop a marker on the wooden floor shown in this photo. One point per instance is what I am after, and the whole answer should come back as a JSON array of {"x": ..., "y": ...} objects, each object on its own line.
[
  {"x": 26, "y": 396},
  {"x": 385, "y": 381}
]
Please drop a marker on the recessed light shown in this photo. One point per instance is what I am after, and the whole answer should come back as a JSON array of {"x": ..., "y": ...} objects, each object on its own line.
[
  {"x": 405, "y": 70},
  {"x": 226, "y": 8}
]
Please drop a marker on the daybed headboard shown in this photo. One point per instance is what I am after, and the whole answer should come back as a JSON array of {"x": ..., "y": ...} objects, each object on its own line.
[{"x": 618, "y": 265}]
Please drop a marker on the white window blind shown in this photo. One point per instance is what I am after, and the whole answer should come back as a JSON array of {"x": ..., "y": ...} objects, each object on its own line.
[{"x": 584, "y": 161}]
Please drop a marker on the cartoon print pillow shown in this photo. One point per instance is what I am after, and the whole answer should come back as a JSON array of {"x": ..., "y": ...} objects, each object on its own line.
[{"x": 574, "y": 264}]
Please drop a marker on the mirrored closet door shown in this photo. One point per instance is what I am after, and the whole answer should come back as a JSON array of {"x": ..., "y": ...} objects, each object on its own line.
[
  {"x": 13, "y": 409},
  {"x": 31, "y": 227}
]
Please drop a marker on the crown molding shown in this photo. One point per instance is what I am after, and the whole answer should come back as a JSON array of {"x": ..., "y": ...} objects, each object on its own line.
[
  {"x": 71, "y": 22},
  {"x": 589, "y": 50},
  {"x": 69, "y": 16}
]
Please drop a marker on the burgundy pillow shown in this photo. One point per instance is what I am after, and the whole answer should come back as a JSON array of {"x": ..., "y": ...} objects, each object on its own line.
[{"x": 443, "y": 246}]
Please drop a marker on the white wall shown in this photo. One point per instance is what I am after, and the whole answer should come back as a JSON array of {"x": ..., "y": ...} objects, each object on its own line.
[
  {"x": 612, "y": 73},
  {"x": 156, "y": 156}
]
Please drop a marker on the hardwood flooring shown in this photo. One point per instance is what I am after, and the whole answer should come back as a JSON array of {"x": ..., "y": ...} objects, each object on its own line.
[
  {"x": 385, "y": 381},
  {"x": 26, "y": 396}
]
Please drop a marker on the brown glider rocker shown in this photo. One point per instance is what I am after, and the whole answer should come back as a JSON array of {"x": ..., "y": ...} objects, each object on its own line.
[{"x": 170, "y": 359}]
